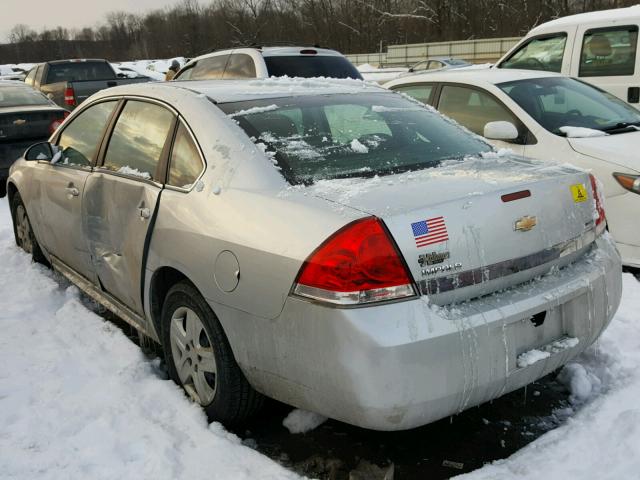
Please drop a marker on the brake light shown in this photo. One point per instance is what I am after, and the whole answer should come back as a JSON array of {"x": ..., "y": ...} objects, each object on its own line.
[
  {"x": 358, "y": 264},
  {"x": 56, "y": 123},
  {"x": 69, "y": 96},
  {"x": 308, "y": 51},
  {"x": 601, "y": 220}
]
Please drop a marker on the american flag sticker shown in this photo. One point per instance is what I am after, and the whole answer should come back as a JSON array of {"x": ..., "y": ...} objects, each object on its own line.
[{"x": 429, "y": 231}]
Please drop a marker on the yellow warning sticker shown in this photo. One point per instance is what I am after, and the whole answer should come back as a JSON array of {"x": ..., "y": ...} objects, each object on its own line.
[{"x": 579, "y": 193}]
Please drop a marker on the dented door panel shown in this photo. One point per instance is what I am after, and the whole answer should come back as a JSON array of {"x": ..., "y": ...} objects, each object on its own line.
[{"x": 117, "y": 213}]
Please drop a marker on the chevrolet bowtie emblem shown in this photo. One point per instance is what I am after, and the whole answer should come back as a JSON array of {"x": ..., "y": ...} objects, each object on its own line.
[
  {"x": 525, "y": 223},
  {"x": 20, "y": 121}
]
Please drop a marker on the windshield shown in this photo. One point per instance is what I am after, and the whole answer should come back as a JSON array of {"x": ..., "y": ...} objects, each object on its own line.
[
  {"x": 75, "y": 71},
  {"x": 311, "y": 66},
  {"x": 317, "y": 137},
  {"x": 19, "y": 96},
  {"x": 564, "y": 102}
]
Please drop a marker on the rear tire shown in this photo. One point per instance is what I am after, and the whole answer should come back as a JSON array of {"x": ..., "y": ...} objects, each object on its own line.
[
  {"x": 199, "y": 358},
  {"x": 23, "y": 232}
]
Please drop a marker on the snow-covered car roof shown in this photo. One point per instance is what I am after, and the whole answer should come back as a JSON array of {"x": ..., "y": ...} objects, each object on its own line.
[
  {"x": 223, "y": 91},
  {"x": 492, "y": 76}
]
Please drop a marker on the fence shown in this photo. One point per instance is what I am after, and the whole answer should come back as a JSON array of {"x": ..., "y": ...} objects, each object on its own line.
[{"x": 474, "y": 51}]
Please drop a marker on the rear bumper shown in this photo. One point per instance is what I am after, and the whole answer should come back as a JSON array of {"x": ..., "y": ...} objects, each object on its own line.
[{"x": 402, "y": 365}]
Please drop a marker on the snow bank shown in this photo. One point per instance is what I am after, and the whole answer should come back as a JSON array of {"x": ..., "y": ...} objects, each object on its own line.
[
  {"x": 601, "y": 441},
  {"x": 302, "y": 421},
  {"x": 581, "y": 132},
  {"x": 79, "y": 400}
]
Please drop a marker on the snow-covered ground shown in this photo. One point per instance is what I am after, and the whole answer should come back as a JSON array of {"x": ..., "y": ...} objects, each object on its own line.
[
  {"x": 601, "y": 440},
  {"x": 79, "y": 400}
]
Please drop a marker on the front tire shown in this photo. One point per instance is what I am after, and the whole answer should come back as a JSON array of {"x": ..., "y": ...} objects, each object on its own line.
[
  {"x": 23, "y": 232},
  {"x": 199, "y": 358}
]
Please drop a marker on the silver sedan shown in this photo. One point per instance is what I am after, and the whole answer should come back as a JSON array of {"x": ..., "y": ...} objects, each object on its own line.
[{"x": 330, "y": 244}]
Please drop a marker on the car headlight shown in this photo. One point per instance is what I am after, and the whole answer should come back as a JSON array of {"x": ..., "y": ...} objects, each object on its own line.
[{"x": 629, "y": 182}]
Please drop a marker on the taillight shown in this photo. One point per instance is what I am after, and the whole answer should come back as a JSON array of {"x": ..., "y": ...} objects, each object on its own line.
[
  {"x": 601, "y": 220},
  {"x": 358, "y": 264},
  {"x": 69, "y": 96},
  {"x": 630, "y": 182},
  {"x": 57, "y": 122}
]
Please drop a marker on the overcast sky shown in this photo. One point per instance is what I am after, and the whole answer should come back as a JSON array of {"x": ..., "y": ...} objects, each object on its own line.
[{"x": 68, "y": 13}]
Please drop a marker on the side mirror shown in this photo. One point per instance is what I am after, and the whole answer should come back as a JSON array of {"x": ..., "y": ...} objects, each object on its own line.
[
  {"x": 39, "y": 151},
  {"x": 121, "y": 75},
  {"x": 500, "y": 131}
]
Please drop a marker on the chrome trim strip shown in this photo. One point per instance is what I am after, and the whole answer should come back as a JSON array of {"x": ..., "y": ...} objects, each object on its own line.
[{"x": 497, "y": 270}]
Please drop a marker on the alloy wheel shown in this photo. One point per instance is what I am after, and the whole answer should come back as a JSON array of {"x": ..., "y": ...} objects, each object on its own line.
[
  {"x": 23, "y": 229},
  {"x": 193, "y": 355}
]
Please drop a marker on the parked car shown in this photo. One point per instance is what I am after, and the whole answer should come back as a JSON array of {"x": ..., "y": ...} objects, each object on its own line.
[
  {"x": 437, "y": 64},
  {"x": 69, "y": 82},
  {"x": 264, "y": 62},
  {"x": 26, "y": 117},
  {"x": 597, "y": 47},
  {"x": 548, "y": 116},
  {"x": 330, "y": 244}
]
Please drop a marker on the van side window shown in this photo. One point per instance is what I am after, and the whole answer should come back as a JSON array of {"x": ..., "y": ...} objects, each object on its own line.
[
  {"x": 185, "y": 166},
  {"x": 80, "y": 139},
  {"x": 609, "y": 52},
  {"x": 422, "y": 93},
  {"x": 138, "y": 139},
  {"x": 472, "y": 108},
  {"x": 211, "y": 68},
  {"x": 542, "y": 53},
  {"x": 240, "y": 65}
]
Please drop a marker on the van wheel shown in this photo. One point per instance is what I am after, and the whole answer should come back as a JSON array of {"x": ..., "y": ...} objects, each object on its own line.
[
  {"x": 199, "y": 358},
  {"x": 23, "y": 232}
]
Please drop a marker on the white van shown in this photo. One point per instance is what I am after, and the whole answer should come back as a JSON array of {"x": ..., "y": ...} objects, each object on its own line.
[{"x": 597, "y": 47}]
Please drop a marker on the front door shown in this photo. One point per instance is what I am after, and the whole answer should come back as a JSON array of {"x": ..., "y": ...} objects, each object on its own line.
[
  {"x": 121, "y": 197},
  {"x": 61, "y": 186}
]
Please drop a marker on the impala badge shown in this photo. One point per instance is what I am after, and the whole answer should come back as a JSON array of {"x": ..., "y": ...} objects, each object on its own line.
[
  {"x": 525, "y": 223},
  {"x": 19, "y": 122}
]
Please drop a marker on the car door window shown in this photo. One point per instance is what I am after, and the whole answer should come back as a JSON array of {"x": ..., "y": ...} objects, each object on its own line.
[
  {"x": 136, "y": 145},
  {"x": 211, "y": 68},
  {"x": 435, "y": 65},
  {"x": 422, "y": 93},
  {"x": 543, "y": 53},
  {"x": 186, "y": 165},
  {"x": 472, "y": 108},
  {"x": 31, "y": 76},
  {"x": 240, "y": 65},
  {"x": 609, "y": 52},
  {"x": 185, "y": 74},
  {"x": 80, "y": 139}
]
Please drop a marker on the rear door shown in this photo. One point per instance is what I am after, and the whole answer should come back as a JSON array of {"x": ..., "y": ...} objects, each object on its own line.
[
  {"x": 122, "y": 195},
  {"x": 61, "y": 187}
]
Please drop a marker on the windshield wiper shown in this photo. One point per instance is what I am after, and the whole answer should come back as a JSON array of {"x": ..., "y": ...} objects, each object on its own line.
[{"x": 622, "y": 127}]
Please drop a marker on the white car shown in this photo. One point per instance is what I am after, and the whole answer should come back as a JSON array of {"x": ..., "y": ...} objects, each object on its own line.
[
  {"x": 598, "y": 47},
  {"x": 546, "y": 115},
  {"x": 265, "y": 62}
]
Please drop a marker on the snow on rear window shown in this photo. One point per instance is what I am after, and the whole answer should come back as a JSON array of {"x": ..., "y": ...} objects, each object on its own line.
[{"x": 315, "y": 137}]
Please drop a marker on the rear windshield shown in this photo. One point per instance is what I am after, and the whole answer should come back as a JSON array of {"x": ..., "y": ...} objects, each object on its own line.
[
  {"x": 311, "y": 66},
  {"x": 19, "y": 96},
  {"x": 313, "y": 138},
  {"x": 75, "y": 71}
]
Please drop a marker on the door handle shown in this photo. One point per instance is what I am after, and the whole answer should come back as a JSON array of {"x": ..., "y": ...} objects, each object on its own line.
[
  {"x": 73, "y": 191},
  {"x": 144, "y": 212}
]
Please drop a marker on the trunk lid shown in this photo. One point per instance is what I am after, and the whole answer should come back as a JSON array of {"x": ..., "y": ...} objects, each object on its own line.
[
  {"x": 460, "y": 238},
  {"x": 23, "y": 123}
]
